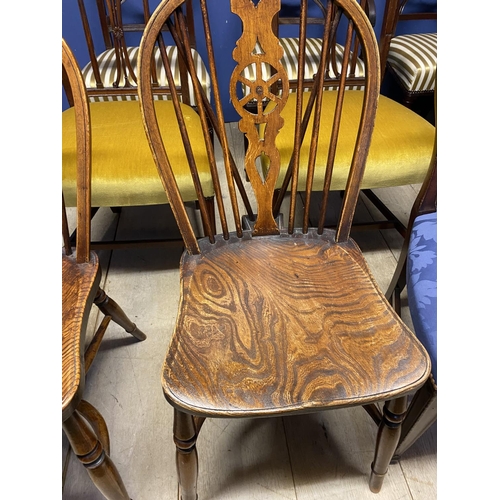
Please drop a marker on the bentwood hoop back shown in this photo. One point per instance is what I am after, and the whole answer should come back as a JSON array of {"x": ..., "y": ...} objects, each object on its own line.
[{"x": 278, "y": 320}]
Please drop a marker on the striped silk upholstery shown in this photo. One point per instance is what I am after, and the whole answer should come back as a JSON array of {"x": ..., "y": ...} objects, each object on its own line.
[
  {"x": 414, "y": 59},
  {"x": 290, "y": 61},
  {"x": 108, "y": 70}
]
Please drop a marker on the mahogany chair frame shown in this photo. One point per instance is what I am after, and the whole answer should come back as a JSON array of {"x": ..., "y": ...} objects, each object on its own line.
[
  {"x": 243, "y": 343},
  {"x": 393, "y": 14},
  {"x": 83, "y": 425}
]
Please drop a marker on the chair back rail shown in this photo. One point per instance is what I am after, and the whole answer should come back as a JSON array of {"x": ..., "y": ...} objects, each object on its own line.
[{"x": 259, "y": 45}]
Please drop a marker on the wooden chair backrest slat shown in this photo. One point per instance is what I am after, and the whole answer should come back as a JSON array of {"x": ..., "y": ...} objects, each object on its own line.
[{"x": 72, "y": 75}]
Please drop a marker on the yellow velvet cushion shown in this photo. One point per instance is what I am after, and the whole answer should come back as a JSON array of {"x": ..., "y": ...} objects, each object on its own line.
[
  {"x": 123, "y": 169},
  {"x": 400, "y": 150}
]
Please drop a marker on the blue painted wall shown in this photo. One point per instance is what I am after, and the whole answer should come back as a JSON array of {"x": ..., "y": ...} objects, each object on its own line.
[{"x": 226, "y": 28}]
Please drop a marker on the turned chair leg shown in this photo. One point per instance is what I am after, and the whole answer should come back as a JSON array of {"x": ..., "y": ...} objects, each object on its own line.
[
  {"x": 421, "y": 414},
  {"x": 388, "y": 435},
  {"x": 89, "y": 450},
  {"x": 185, "y": 435},
  {"x": 96, "y": 420},
  {"x": 110, "y": 308}
]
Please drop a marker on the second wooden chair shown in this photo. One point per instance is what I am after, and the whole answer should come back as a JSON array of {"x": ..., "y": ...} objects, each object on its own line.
[
  {"x": 417, "y": 271},
  {"x": 82, "y": 423}
]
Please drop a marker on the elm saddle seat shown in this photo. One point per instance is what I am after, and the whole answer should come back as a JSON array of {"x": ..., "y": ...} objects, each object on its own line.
[
  {"x": 82, "y": 423},
  {"x": 278, "y": 319}
]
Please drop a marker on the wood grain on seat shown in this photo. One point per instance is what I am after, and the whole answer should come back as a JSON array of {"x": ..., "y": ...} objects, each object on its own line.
[
  {"x": 284, "y": 323},
  {"x": 80, "y": 282}
]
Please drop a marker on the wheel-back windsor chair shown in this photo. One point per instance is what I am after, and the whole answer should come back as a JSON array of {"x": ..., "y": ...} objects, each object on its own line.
[{"x": 278, "y": 320}]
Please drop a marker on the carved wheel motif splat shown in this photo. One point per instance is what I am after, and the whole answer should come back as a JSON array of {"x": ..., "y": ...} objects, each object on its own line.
[{"x": 259, "y": 45}]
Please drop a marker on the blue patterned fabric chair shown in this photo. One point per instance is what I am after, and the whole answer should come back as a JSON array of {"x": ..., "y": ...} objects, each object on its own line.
[
  {"x": 421, "y": 283},
  {"x": 417, "y": 271}
]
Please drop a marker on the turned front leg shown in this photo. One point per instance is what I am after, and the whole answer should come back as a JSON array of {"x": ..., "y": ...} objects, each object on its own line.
[
  {"x": 388, "y": 435},
  {"x": 185, "y": 434},
  {"x": 91, "y": 454}
]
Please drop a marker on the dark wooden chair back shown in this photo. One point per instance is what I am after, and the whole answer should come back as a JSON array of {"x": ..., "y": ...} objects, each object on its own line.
[
  {"x": 259, "y": 46},
  {"x": 112, "y": 74}
]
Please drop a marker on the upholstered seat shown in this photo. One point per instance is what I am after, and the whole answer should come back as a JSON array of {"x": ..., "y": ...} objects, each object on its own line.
[
  {"x": 421, "y": 282},
  {"x": 414, "y": 60},
  {"x": 108, "y": 72},
  {"x": 124, "y": 172},
  {"x": 400, "y": 149}
]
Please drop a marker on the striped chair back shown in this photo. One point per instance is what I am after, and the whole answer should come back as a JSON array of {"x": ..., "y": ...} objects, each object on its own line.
[
  {"x": 410, "y": 57},
  {"x": 112, "y": 73}
]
